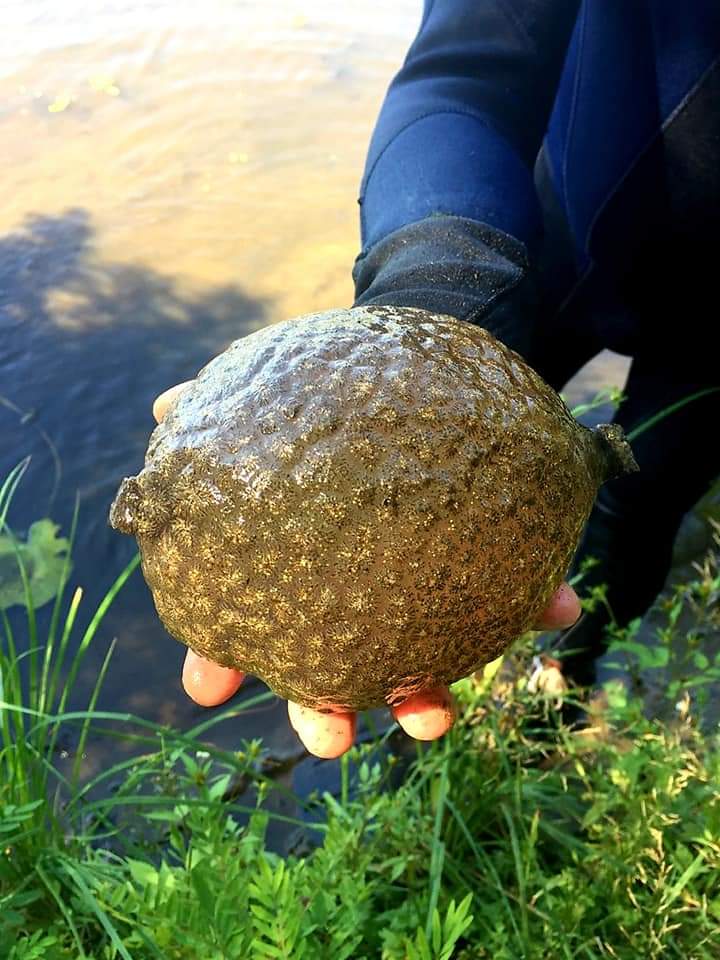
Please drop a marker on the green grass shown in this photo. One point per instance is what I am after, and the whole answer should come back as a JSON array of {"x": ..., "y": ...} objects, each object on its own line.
[{"x": 511, "y": 838}]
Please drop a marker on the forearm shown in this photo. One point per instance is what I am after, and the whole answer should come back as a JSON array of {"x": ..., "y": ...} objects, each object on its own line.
[
  {"x": 463, "y": 120},
  {"x": 449, "y": 215},
  {"x": 455, "y": 266}
]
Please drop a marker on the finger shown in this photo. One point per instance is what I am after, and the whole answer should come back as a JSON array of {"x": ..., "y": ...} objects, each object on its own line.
[
  {"x": 562, "y": 611},
  {"x": 208, "y": 683},
  {"x": 166, "y": 400},
  {"x": 326, "y": 735},
  {"x": 427, "y": 715}
]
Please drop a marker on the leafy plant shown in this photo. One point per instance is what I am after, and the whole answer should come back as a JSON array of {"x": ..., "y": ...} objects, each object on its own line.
[
  {"x": 511, "y": 838},
  {"x": 44, "y": 559}
]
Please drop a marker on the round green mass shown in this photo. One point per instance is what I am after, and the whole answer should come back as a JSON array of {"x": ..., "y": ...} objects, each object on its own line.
[{"x": 361, "y": 504}]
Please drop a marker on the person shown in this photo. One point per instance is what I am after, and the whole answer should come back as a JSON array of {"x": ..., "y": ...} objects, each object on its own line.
[{"x": 549, "y": 169}]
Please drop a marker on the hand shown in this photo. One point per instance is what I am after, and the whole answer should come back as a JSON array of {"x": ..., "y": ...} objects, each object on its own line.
[{"x": 424, "y": 716}]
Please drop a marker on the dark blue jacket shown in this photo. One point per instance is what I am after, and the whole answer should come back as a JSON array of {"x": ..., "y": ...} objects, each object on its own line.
[{"x": 549, "y": 157}]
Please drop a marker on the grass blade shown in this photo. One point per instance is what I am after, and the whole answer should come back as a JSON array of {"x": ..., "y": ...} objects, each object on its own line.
[
  {"x": 651, "y": 421},
  {"x": 46, "y": 689},
  {"x": 93, "y": 904},
  {"x": 438, "y": 847},
  {"x": 9, "y": 486},
  {"x": 63, "y": 910},
  {"x": 95, "y": 622},
  {"x": 85, "y": 728}
]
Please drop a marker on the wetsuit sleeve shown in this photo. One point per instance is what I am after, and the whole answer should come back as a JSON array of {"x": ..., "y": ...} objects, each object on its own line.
[{"x": 449, "y": 214}]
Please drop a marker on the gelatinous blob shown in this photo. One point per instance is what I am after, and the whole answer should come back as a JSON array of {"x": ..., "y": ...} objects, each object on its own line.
[{"x": 362, "y": 505}]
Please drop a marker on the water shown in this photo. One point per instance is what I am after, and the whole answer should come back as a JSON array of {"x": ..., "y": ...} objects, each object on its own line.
[{"x": 175, "y": 176}]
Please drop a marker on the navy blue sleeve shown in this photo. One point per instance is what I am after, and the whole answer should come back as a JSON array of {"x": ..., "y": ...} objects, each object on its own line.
[
  {"x": 449, "y": 215},
  {"x": 454, "y": 266},
  {"x": 464, "y": 118}
]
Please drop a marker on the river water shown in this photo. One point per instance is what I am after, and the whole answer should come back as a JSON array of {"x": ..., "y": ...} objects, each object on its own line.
[{"x": 175, "y": 175}]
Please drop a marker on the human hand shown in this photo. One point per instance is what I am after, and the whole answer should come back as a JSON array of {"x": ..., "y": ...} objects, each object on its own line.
[{"x": 425, "y": 716}]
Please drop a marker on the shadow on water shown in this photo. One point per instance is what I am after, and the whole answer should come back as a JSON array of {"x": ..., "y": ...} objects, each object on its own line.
[{"x": 85, "y": 346}]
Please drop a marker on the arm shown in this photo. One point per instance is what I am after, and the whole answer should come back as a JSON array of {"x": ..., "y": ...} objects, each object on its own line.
[{"x": 448, "y": 207}]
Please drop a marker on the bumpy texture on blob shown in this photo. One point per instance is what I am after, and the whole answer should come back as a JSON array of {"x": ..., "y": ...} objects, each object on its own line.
[{"x": 361, "y": 504}]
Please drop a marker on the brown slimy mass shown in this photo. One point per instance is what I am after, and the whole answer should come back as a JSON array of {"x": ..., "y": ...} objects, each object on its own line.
[{"x": 361, "y": 504}]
